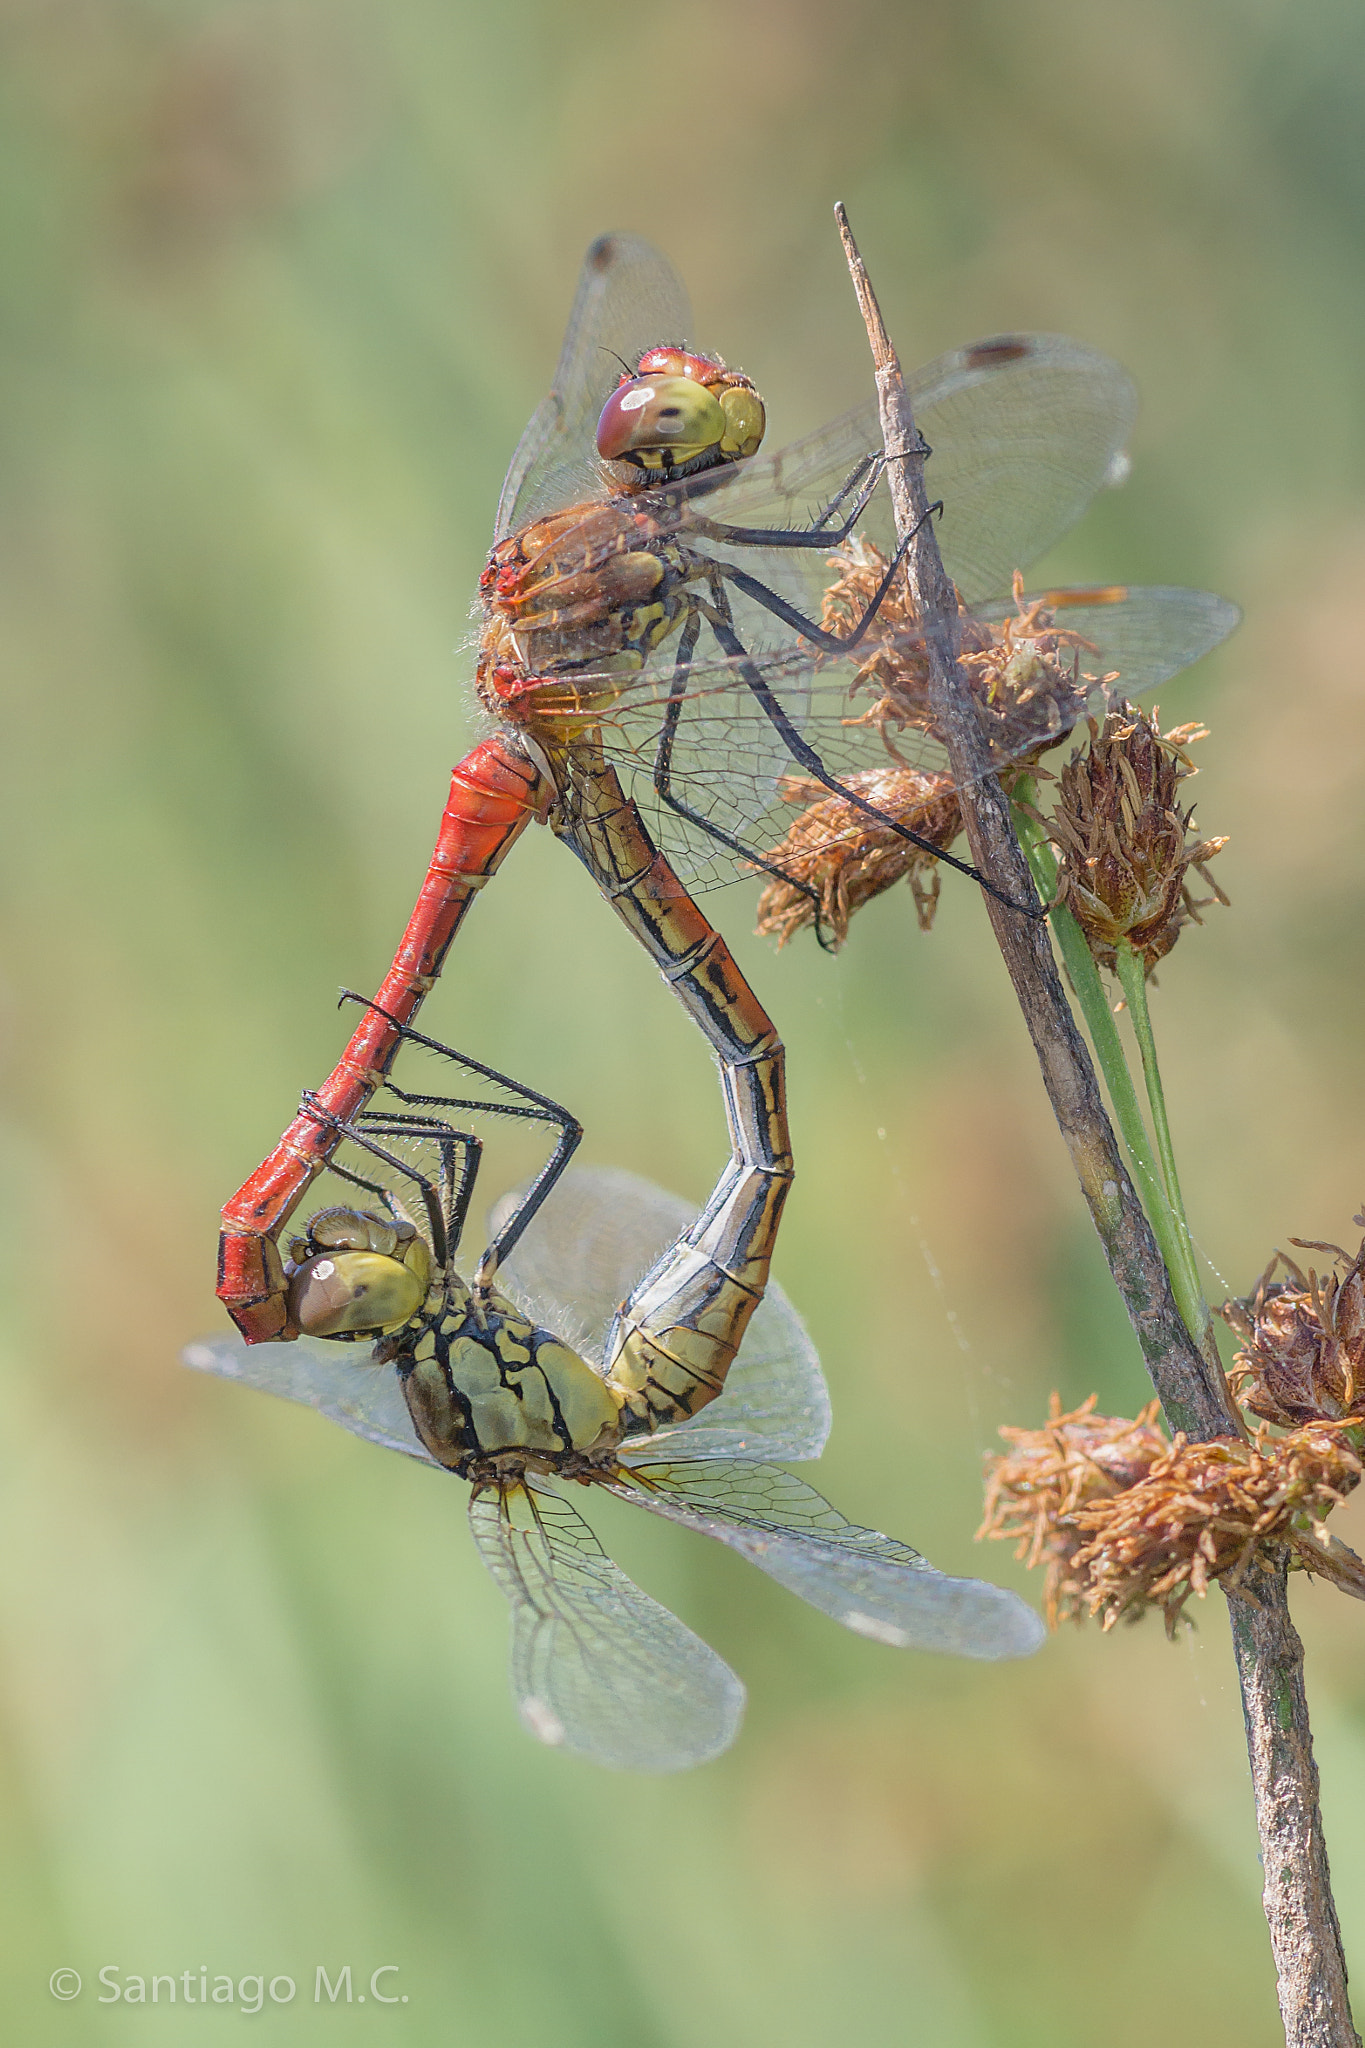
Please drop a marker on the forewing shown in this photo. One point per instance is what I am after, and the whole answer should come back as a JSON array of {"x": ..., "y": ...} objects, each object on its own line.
[
  {"x": 598, "y": 1233},
  {"x": 730, "y": 762},
  {"x": 598, "y": 1230},
  {"x": 629, "y": 299},
  {"x": 336, "y": 1379},
  {"x": 869, "y": 1582},
  {"x": 597, "y": 1667},
  {"x": 1024, "y": 430}
]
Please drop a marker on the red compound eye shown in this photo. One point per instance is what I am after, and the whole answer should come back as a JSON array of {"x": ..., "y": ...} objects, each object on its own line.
[
  {"x": 658, "y": 412},
  {"x": 676, "y": 362}
]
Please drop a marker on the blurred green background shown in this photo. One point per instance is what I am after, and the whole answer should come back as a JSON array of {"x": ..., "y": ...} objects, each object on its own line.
[{"x": 280, "y": 284}]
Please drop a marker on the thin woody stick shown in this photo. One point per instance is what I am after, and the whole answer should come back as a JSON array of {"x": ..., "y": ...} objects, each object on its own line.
[
  {"x": 1304, "y": 1934},
  {"x": 1193, "y": 1396}
]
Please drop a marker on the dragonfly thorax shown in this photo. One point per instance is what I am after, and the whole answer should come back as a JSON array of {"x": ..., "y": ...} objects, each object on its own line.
[
  {"x": 482, "y": 1381},
  {"x": 595, "y": 587}
]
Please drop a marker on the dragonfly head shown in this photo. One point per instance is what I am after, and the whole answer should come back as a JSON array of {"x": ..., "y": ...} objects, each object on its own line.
[
  {"x": 356, "y": 1274},
  {"x": 680, "y": 414}
]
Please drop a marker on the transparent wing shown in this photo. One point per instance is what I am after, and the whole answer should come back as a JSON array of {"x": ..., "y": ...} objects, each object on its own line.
[
  {"x": 629, "y": 299},
  {"x": 1024, "y": 430},
  {"x": 1146, "y": 633},
  {"x": 598, "y": 1230},
  {"x": 730, "y": 762},
  {"x": 598, "y": 1667},
  {"x": 598, "y": 1233},
  {"x": 336, "y": 1379},
  {"x": 869, "y": 1582}
]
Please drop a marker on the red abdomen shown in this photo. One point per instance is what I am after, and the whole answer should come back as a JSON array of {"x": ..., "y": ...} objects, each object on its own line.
[{"x": 494, "y": 793}]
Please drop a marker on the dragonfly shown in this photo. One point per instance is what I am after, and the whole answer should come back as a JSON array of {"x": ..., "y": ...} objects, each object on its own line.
[
  {"x": 659, "y": 590},
  {"x": 536, "y": 1383}
]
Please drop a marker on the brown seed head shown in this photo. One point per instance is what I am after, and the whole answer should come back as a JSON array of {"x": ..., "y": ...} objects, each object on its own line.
[
  {"x": 1128, "y": 1521},
  {"x": 1033, "y": 1492},
  {"x": 847, "y": 858},
  {"x": 1201, "y": 1511},
  {"x": 1024, "y": 672},
  {"x": 1303, "y": 1352},
  {"x": 1124, "y": 843}
]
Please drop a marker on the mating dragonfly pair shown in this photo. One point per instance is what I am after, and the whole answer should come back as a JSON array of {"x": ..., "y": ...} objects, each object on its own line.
[{"x": 661, "y": 639}]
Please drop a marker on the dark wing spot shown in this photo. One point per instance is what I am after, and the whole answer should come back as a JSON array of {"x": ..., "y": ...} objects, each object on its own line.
[
  {"x": 1002, "y": 348},
  {"x": 602, "y": 254}
]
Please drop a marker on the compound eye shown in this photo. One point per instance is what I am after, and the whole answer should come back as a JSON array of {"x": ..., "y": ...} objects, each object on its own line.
[
  {"x": 679, "y": 362},
  {"x": 352, "y": 1293},
  {"x": 744, "y": 420},
  {"x": 663, "y": 362},
  {"x": 658, "y": 412}
]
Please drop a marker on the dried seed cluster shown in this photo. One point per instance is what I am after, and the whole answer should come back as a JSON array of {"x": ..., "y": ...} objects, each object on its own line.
[
  {"x": 1189, "y": 1513},
  {"x": 846, "y": 858},
  {"x": 1124, "y": 844},
  {"x": 1303, "y": 1350},
  {"x": 1024, "y": 672},
  {"x": 1034, "y": 1490},
  {"x": 1029, "y": 691}
]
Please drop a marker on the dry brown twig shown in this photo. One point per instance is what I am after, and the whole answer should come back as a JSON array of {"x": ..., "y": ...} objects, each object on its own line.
[{"x": 1305, "y": 1937}]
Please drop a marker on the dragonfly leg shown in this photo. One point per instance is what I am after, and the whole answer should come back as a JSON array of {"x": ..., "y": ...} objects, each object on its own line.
[
  {"x": 672, "y": 1342},
  {"x": 532, "y": 1105},
  {"x": 662, "y": 777},
  {"x": 820, "y": 533},
  {"x": 830, "y": 643},
  {"x": 719, "y": 619},
  {"x": 445, "y": 1201},
  {"x": 494, "y": 793}
]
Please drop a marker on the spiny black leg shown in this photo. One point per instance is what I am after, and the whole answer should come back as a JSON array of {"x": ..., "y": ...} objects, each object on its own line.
[
  {"x": 543, "y": 1111},
  {"x": 457, "y": 1180},
  {"x": 361, "y": 1137},
  {"x": 817, "y": 534},
  {"x": 663, "y": 784},
  {"x": 831, "y": 643},
  {"x": 801, "y": 750}
]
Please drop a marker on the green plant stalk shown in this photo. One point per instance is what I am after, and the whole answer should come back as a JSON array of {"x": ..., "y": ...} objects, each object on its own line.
[
  {"x": 1133, "y": 982},
  {"x": 1167, "y": 1219}
]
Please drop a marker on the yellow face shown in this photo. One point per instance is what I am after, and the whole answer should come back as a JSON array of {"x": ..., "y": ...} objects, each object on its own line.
[
  {"x": 479, "y": 1378},
  {"x": 356, "y": 1274}
]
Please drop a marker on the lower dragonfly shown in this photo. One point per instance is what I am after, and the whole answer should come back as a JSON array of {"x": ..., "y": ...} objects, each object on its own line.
[{"x": 543, "y": 1380}]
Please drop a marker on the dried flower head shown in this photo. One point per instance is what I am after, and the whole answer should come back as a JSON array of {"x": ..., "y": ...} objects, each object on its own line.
[
  {"x": 1124, "y": 842},
  {"x": 1190, "y": 1512},
  {"x": 1024, "y": 672},
  {"x": 1201, "y": 1512},
  {"x": 1034, "y": 1490},
  {"x": 1303, "y": 1352},
  {"x": 847, "y": 857}
]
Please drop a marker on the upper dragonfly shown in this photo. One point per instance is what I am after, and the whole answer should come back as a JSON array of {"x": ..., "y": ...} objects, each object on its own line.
[
  {"x": 661, "y": 591},
  {"x": 535, "y": 1382}
]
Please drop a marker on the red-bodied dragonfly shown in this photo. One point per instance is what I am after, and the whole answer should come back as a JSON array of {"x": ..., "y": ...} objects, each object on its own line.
[
  {"x": 524, "y": 1387},
  {"x": 660, "y": 592}
]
